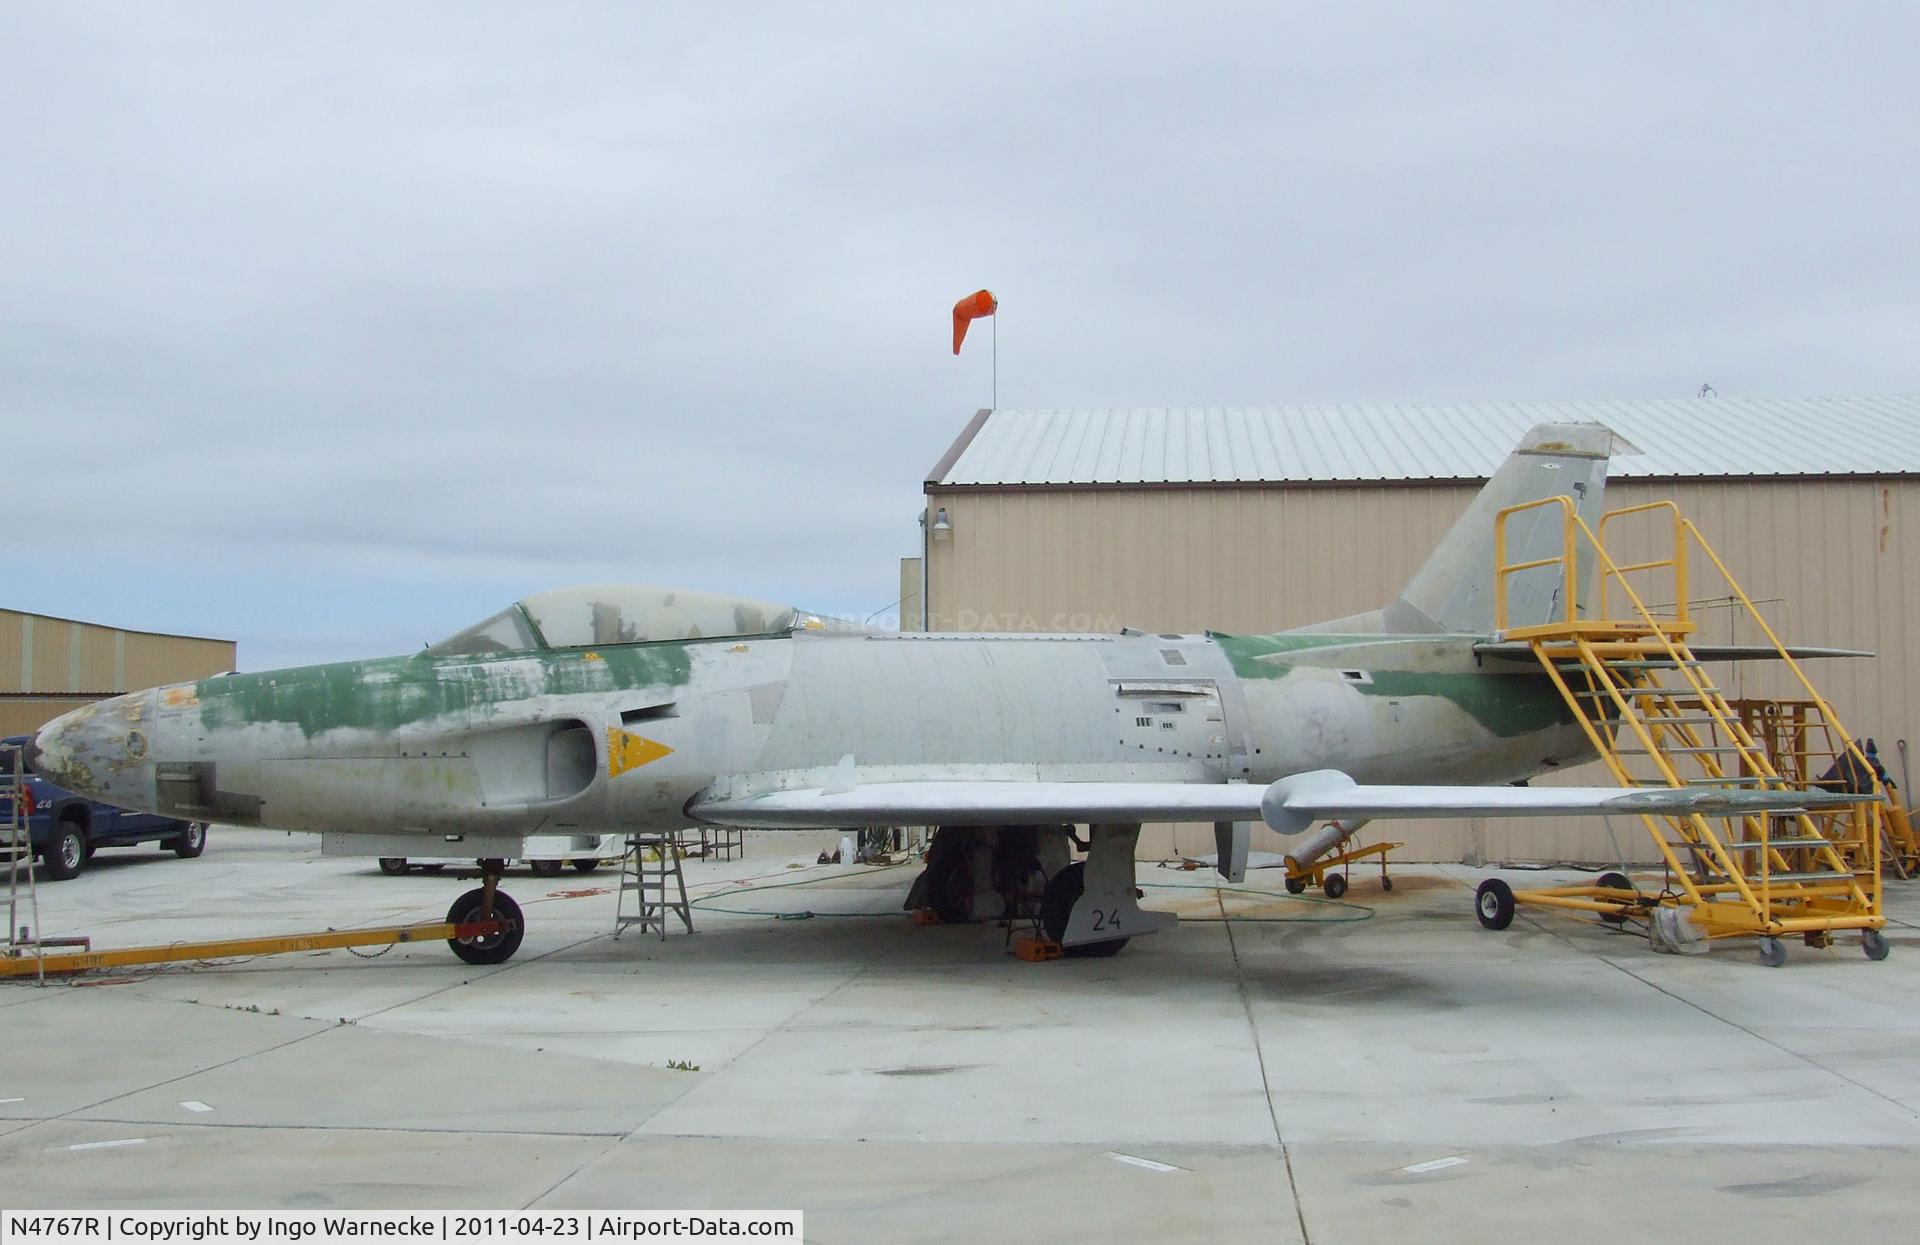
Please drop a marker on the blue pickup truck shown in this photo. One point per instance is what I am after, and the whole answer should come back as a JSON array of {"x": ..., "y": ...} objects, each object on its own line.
[{"x": 66, "y": 828}]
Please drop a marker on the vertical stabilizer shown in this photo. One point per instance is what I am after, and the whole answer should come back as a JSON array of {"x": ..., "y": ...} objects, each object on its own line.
[{"x": 1453, "y": 589}]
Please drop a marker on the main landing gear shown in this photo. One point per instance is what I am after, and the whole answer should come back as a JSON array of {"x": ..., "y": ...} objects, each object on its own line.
[
  {"x": 1025, "y": 874},
  {"x": 488, "y": 903},
  {"x": 1091, "y": 908}
]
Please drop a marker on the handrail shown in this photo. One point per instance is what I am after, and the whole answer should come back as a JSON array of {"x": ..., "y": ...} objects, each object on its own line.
[
  {"x": 1677, "y": 561},
  {"x": 1502, "y": 569},
  {"x": 1847, "y": 742}
]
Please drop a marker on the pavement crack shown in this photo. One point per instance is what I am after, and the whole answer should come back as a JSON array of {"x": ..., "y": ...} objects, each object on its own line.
[
  {"x": 1260, "y": 1058},
  {"x": 172, "y": 1080},
  {"x": 1757, "y": 1036}
]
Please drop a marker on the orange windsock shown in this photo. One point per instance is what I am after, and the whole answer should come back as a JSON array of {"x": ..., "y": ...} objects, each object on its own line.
[{"x": 967, "y": 310}]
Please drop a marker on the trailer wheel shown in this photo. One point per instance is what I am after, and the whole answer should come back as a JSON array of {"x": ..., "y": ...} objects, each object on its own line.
[
  {"x": 546, "y": 868},
  {"x": 1493, "y": 904},
  {"x": 1296, "y": 886},
  {"x": 587, "y": 866},
  {"x": 1614, "y": 882},
  {"x": 393, "y": 866},
  {"x": 487, "y": 948},
  {"x": 1874, "y": 943},
  {"x": 1335, "y": 885},
  {"x": 1773, "y": 952}
]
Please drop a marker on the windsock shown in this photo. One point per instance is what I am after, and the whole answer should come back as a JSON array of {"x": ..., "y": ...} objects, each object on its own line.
[{"x": 967, "y": 310}]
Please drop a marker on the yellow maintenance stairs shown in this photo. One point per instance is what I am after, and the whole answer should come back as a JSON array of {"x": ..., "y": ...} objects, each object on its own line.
[{"x": 1649, "y": 708}]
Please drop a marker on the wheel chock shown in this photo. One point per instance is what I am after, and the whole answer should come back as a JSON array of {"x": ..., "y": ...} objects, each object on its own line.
[{"x": 1037, "y": 950}]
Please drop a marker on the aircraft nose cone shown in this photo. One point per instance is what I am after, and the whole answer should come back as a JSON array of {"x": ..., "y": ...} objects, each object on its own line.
[{"x": 103, "y": 750}]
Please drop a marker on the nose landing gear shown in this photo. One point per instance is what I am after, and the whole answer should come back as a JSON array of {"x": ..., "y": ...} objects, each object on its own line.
[{"x": 487, "y": 906}]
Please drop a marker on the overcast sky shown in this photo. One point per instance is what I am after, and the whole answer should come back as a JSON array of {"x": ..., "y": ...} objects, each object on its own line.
[{"x": 332, "y": 328}]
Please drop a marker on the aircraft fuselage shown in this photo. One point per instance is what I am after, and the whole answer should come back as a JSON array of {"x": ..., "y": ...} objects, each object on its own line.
[{"x": 623, "y": 737}]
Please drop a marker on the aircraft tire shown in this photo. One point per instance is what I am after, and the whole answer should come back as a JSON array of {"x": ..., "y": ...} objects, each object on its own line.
[
  {"x": 1056, "y": 906},
  {"x": 497, "y": 948},
  {"x": 1493, "y": 904}
]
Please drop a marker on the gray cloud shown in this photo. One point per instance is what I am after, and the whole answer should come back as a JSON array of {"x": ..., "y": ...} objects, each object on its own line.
[{"x": 327, "y": 327}]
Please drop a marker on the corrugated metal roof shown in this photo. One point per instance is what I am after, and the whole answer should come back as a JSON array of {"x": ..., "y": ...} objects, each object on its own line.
[{"x": 1686, "y": 438}]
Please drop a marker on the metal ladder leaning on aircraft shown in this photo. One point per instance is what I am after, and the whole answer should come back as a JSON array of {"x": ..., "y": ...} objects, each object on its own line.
[{"x": 1641, "y": 693}]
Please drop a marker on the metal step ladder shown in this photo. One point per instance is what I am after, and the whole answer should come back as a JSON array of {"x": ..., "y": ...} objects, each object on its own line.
[
  {"x": 16, "y": 857},
  {"x": 1645, "y": 703},
  {"x": 650, "y": 874}
]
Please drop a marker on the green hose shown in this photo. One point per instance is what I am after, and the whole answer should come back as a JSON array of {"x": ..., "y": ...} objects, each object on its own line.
[{"x": 1360, "y": 911}]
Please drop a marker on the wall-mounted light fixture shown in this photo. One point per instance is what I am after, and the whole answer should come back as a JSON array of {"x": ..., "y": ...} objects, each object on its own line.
[{"x": 942, "y": 528}]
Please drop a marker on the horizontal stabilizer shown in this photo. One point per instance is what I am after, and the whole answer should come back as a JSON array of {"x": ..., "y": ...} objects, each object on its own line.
[
  {"x": 1521, "y": 650},
  {"x": 1289, "y": 805},
  {"x": 1294, "y": 803}
]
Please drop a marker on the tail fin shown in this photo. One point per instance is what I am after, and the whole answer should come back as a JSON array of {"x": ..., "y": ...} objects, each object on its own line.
[{"x": 1453, "y": 589}]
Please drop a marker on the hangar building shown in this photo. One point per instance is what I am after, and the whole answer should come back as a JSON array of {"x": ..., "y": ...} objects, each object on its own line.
[
  {"x": 1254, "y": 519},
  {"x": 50, "y": 665}
]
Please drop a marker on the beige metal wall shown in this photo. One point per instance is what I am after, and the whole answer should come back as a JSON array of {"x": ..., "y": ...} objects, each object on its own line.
[
  {"x": 49, "y": 665},
  {"x": 1831, "y": 560}
]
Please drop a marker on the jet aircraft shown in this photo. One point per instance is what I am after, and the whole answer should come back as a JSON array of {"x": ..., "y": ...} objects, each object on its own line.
[{"x": 618, "y": 709}]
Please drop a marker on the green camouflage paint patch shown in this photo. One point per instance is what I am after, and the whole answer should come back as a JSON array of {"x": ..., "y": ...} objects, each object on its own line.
[
  {"x": 1505, "y": 704},
  {"x": 391, "y": 692}
]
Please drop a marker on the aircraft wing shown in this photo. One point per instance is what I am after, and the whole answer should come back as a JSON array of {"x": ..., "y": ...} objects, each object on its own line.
[{"x": 1290, "y": 805}]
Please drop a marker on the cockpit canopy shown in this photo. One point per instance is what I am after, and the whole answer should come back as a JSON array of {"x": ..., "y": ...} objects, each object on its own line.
[{"x": 597, "y": 614}]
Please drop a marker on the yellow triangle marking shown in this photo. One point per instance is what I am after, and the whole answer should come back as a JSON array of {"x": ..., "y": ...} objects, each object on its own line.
[{"x": 626, "y": 751}]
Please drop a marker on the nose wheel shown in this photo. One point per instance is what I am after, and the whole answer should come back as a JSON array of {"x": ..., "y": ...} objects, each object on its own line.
[{"x": 487, "y": 902}]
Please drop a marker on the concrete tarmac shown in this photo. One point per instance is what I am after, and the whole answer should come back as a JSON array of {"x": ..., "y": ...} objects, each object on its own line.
[{"x": 1377, "y": 1070}]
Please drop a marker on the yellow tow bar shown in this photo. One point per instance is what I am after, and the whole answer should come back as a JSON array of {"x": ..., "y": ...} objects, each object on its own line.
[{"x": 25, "y": 963}]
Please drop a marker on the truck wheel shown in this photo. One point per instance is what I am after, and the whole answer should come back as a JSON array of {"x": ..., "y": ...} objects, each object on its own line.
[
  {"x": 192, "y": 841},
  {"x": 67, "y": 854}
]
